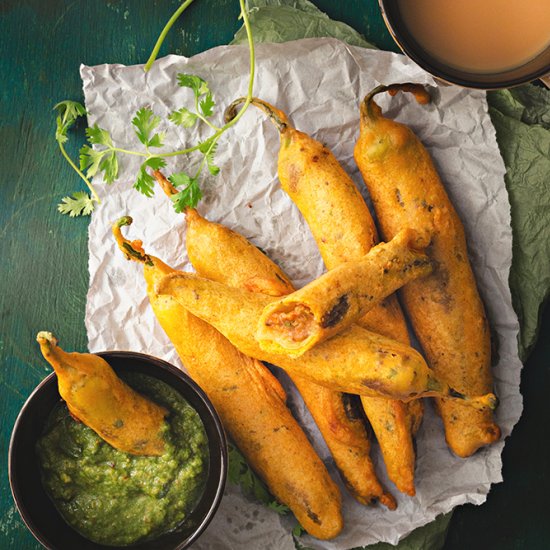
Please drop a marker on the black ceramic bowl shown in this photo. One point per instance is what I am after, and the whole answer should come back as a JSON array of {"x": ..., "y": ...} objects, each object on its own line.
[
  {"x": 38, "y": 511},
  {"x": 536, "y": 68}
]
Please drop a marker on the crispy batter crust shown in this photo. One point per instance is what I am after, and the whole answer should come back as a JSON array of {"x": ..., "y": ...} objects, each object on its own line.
[
  {"x": 251, "y": 404},
  {"x": 341, "y": 296},
  {"x": 344, "y": 230},
  {"x": 226, "y": 257},
  {"x": 96, "y": 396},
  {"x": 355, "y": 361},
  {"x": 445, "y": 307}
]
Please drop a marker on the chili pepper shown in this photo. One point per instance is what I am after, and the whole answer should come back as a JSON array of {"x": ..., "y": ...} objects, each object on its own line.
[
  {"x": 251, "y": 404},
  {"x": 355, "y": 361},
  {"x": 223, "y": 255},
  {"x": 340, "y": 297},
  {"x": 344, "y": 230},
  {"x": 96, "y": 396},
  {"x": 445, "y": 308}
]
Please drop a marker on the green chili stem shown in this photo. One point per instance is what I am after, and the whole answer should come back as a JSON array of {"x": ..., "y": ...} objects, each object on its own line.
[
  {"x": 164, "y": 33},
  {"x": 279, "y": 121},
  {"x": 131, "y": 252},
  {"x": 418, "y": 90},
  {"x": 79, "y": 172},
  {"x": 366, "y": 106}
]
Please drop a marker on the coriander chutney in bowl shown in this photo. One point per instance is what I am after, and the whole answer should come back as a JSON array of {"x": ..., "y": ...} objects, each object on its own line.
[{"x": 75, "y": 490}]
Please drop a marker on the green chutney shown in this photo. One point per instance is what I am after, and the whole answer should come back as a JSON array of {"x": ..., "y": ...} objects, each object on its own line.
[{"x": 115, "y": 498}]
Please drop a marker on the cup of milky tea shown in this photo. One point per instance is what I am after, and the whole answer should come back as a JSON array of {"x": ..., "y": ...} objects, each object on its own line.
[{"x": 484, "y": 44}]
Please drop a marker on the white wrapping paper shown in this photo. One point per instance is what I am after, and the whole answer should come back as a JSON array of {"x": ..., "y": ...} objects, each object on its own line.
[{"x": 319, "y": 83}]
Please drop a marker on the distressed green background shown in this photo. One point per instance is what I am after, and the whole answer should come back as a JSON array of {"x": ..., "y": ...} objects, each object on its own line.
[{"x": 43, "y": 272}]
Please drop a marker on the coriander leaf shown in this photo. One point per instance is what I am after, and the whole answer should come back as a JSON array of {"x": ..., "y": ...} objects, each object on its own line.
[
  {"x": 93, "y": 160},
  {"x": 189, "y": 196},
  {"x": 145, "y": 122},
  {"x": 80, "y": 204},
  {"x": 247, "y": 482},
  {"x": 281, "y": 509},
  {"x": 208, "y": 149},
  {"x": 98, "y": 136},
  {"x": 180, "y": 179},
  {"x": 212, "y": 168},
  {"x": 109, "y": 166},
  {"x": 183, "y": 117},
  {"x": 68, "y": 113},
  {"x": 90, "y": 160},
  {"x": 157, "y": 140},
  {"x": 240, "y": 473},
  {"x": 236, "y": 464},
  {"x": 155, "y": 163},
  {"x": 61, "y": 131},
  {"x": 298, "y": 530},
  {"x": 70, "y": 110},
  {"x": 145, "y": 182},
  {"x": 207, "y": 105},
  {"x": 196, "y": 83}
]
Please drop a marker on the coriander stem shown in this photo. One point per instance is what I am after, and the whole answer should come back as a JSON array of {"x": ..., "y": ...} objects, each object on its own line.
[
  {"x": 201, "y": 166},
  {"x": 136, "y": 153},
  {"x": 79, "y": 172},
  {"x": 203, "y": 118},
  {"x": 208, "y": 123},
  {"x": 163, "y": 34},
  {"x": 182, "y": 151},
  {"x": 252, "y": 57}
]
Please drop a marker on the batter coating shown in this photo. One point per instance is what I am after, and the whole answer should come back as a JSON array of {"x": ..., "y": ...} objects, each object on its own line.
[
  {"x": 229, "y": 258},
  {"x": 341, "y": 296},
  {"x": 445, "y": 308},
  {"x": 251, "y": 404},
  {"x": 355, "y": 361},
  {"x": 344, "y": 230}
]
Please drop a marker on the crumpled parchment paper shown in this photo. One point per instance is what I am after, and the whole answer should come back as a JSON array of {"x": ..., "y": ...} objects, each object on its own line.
[{"x": 319, "y": 83}]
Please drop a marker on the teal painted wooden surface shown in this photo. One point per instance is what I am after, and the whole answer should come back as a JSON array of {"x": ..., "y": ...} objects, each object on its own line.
[{"x": 43, "y": 275}]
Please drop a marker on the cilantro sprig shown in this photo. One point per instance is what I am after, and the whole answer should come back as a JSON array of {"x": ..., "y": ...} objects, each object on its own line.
[
  {"x": 239, "y": 473},
  {"x": 204, "y": 102},
  {"x": 80, "y": 203},
  {"x": 94, "y": 160},
  {"x": 144, "y": 123},
  {"x": 101, "y": 155}
]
